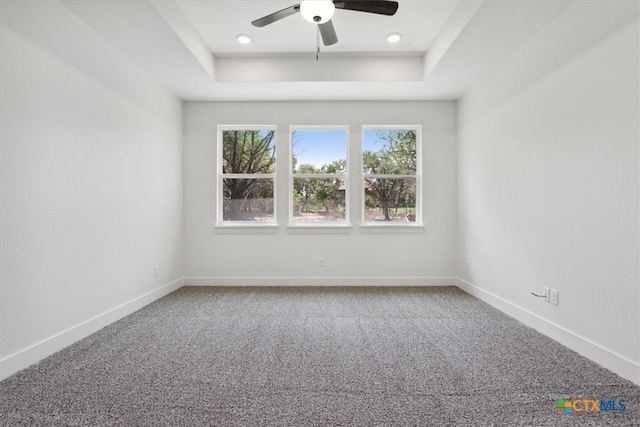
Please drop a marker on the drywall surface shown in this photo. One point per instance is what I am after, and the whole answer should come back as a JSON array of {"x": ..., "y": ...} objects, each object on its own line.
[
  {"x": 548, "y": 178},
  {"x": 353, "y": 256},
  {"x": 91, "y": 182}
]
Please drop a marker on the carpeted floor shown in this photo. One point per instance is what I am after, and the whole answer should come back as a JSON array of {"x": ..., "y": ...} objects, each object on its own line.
[{"x": 286, "y": 356}]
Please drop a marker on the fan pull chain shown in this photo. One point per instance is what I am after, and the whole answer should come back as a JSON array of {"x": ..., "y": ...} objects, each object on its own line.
[{"x": 318, "y": 42}]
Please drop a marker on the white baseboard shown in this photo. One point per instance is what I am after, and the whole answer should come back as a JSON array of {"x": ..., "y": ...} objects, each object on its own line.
[
  {"x": 36, "y": 352},
  {"x": 319, "y": 281},
  {"x": 617, "y": 363}
]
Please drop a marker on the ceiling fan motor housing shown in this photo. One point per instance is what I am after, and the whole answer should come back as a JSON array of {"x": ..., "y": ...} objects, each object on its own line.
[{"x": 317, "y": 11}]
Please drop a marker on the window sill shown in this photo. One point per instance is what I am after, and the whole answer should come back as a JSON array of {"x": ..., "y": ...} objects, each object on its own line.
[
  {"x": 368, "y": 228},
  {"x": 386, "y": 228},
  {"x": 319, "y": 228},
  {"x": 247, "y": 228}
]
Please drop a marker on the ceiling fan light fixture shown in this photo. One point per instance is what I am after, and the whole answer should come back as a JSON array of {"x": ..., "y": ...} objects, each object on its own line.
[
  {"x": 317, "y": 11},
  {"x": 394, "y": 37}
]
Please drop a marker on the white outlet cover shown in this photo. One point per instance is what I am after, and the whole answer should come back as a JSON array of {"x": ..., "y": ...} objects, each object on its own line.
[{"x": 554, "y": 297}]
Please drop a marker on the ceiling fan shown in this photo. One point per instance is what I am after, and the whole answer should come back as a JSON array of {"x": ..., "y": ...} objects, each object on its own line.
[{"x": 320, "y": 12}]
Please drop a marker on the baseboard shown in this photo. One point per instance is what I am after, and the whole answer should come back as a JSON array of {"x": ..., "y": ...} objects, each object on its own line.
[
  {"x": 319, "y": 281},
  {"x": 617, "y": 363},
  {"x": 36, "y": 352}
]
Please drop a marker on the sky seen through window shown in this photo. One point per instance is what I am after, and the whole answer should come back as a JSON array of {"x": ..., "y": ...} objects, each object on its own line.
[{"x": 322, "y": 147}]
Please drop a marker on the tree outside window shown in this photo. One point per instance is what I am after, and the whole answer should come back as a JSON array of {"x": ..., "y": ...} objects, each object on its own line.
[
  {"x": 319, "y": 176},
  {"x": 391, "y": 179},
  {"x": 247, "y": 178}
]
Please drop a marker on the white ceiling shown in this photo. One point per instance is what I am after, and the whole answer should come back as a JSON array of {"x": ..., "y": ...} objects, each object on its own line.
[{"x": 189, "y": 46}]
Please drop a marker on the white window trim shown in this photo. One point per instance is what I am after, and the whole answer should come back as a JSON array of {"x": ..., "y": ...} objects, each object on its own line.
[
  {"x": 390, "y": 226},
  {"x": 337, "y": 226},
  {"x": 252, "y": 225}
]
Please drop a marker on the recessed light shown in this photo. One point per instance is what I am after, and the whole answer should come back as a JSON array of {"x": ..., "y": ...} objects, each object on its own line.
[
  {"x": 243, "y": 38},
  {"x": 394, "y": 37}
]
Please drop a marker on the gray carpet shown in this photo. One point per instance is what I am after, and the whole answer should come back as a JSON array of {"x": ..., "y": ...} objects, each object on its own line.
[{"x": 314, "y": 357}]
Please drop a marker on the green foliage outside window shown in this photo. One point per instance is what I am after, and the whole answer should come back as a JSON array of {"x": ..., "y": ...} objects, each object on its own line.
[
  {"x": 320, "y": 198},
  {"x": 390, "y": 171},
  {"x": 246, "y": 153}
]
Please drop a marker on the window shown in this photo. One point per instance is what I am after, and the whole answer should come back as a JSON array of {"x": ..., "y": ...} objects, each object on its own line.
[
  {"x": 246, "y": 174},
  {"x": 319, "y": 175},
  {"x": 391, "y": 175},
  {"x": 320, "y": 190}
]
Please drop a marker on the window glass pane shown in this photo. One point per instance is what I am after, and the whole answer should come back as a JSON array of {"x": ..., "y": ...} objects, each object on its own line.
[
  {"x": 389, "y": 152},
  {"x": 247, "y": 200},
  {"x": 318, "y": 199},
  {"x": 319, "y": 151},
  {"x": 390, "y": 199},
  {"x": 248, "y": 151}
]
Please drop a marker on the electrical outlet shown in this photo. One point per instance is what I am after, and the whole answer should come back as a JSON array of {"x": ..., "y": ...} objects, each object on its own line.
[
  {"x": 553, "y": 299},
  {"x": 155, "y": 270},
  {"x": 322, "y": 262},
  {"x": 546, "y": 294}
]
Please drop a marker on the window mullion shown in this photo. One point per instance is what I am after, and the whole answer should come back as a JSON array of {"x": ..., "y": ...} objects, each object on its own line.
[
  {"x": 388, "y": 176},
  {"x": 249, "y": 175},
  {"x": 320, "y": 175}
]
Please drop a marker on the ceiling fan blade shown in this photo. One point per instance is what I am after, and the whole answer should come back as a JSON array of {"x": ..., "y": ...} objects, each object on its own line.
[
  {"x": 328, "y": 33},
  {"x": 381, "y": 7},
  {"x": 270, "y": 19}
]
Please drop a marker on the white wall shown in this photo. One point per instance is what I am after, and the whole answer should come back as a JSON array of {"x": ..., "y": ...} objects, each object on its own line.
[
  {"x": 286, "y": 257},
  {"x": 548, "y": 177},
  {"x": 91, "y": 167}
]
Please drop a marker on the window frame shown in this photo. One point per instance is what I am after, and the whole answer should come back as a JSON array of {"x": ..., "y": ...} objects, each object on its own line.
[
  {"x": 418, "y": 223},
  {"x": 344, "y": 176},
  {"x": 220, "y": 176}
]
